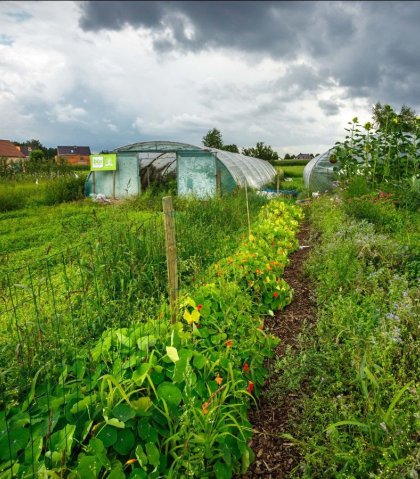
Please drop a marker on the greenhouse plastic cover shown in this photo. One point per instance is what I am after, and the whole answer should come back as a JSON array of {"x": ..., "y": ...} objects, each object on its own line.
[
  {"x": 245, "y": 170},
  {"x": 319, "y": 173}
]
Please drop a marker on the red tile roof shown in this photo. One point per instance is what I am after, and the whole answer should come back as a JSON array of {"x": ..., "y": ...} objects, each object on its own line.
[{"x": 9, "y": 150}]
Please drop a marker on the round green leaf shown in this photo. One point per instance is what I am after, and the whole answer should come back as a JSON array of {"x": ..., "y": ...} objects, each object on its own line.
[
  {"x": 170, "y": 393},
  {"x": 125, "y": 441},
  {"x": 108, "y": 436},
  {"x": 137, "y": 474},
  {"x": 12, "y": 442},
  {"x": 123, "y": 412}
]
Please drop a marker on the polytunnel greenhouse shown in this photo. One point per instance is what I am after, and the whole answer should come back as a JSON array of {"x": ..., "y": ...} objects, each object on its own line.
[
  {"x": 319, "y": 174},
  {"x": 199, "y": 171}
]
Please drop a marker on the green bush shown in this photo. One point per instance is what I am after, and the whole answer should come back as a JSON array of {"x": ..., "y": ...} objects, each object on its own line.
[
  {"x": 11, "y": 199},
  {"x": 65, "y": 188}
]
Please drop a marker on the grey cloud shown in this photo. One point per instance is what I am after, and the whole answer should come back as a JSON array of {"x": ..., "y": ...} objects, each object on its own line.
[
  {"x": 329, "y": 107},
  {"x": 358, "y": 44}
]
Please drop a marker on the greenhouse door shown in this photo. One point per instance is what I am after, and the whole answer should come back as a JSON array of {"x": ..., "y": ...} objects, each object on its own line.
[{"x": 196, "y": 173}]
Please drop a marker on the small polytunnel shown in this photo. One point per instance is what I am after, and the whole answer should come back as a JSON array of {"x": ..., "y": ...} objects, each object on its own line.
[
  {"x": 199, "y": 171},
  {"x": 319, "y": 174}
]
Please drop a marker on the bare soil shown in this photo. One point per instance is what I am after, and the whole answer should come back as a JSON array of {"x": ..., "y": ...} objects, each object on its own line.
[{"x": 275, "y": 457}]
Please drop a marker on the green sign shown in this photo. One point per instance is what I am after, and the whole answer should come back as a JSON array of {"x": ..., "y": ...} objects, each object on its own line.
[{"x": 105, "y": 162}]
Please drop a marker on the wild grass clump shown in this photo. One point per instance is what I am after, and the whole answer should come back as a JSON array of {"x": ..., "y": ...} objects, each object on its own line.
[
  {"x": 64, "y": 189},
  {"x": 358, "y": 363}
]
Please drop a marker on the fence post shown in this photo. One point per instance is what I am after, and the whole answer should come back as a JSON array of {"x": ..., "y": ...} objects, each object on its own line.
[{"x": 171, "y": 259}]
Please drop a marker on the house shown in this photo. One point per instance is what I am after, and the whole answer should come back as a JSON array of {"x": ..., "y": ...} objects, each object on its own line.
[
  {"x": 74, "y": 155},
  {"x": 10, "y": 151},
  {"x": 25, "y": 150},
  {"x": 304, "y": 156}
]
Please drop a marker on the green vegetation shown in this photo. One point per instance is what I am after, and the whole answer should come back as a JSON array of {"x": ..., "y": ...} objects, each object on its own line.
[
  {"x": 291, "y": 162},
  {"x": 140, "y": 398},
  {"x": 359, "y": 362}
]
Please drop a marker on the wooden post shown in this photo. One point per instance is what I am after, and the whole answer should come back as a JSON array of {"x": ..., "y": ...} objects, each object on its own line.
[
  {"x": 171, "y": 259},
  {"x": 247, "y": 207},
  {"x": 93, "y": 182},
  {"x": 113, "y": 184}
]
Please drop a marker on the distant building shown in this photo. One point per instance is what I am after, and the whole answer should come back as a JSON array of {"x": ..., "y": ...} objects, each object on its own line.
[
  {"x": 10, "y": 151},
  {"x": 25, "y": 150},
  {"x": 74, "y": 155},
  {"x": 304, "y": 156}
]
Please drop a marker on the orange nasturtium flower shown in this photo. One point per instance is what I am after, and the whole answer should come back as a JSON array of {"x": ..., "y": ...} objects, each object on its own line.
[
  {"x": 199, "y": 307},
  {"x": 250, "y": 387},
  {"x": 228, "y": 343},
  {"x": 276, "y": 294},
  {"x": 205, "y": 406},
  {"x": 219, "y": 380},
  {"x": 246, "y": 368},
  {"x": 130, "y": 461}
]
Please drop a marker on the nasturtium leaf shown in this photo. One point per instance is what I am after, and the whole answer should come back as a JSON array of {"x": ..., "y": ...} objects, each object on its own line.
[
  {"x": 146, "y": 342},
  {"x": 142, "y": 404},
  {"x": 108, "y": 436},
  {"x": 153, "y": 454},
  {"x": 157, "y": 376},
  {"x": 172, "y": 353},
  {"x": 117, "y": 471},
  {"x": 123, "y": 412},
  {"x": 115, "y": 423},
  {"x": 141, "y": 456},
  {"x": 147, "y": 432},
  {"x": 222, "y": 471},
  {"x": 179, "y": 370},
  {"x": 140, "y": 374},
  {"x": 125, "y": 441},
  {"x": 83, "y": 404},
  {"x": 33, "y": 450},
  {"x": 199, "y": 361},
  {"x": 170, "y": 393},
  {"x": 138, "y": 474},
  {"x": 88, "y": 467},
  {"x": 97, "y": 448},
  {"x": 62, "y": 440},
  {"x": 13, "y": 442}
]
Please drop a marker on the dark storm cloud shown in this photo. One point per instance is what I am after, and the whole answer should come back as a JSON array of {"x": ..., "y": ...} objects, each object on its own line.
[
  {"x": 369, "y": 48},
  {"x": 252, "y": 26}
]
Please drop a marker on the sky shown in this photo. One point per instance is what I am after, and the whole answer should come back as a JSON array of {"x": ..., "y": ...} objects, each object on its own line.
[{"x": 289, "y": 74}]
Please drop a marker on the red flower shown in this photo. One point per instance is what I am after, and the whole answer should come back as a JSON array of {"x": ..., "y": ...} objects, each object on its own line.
[
  {"x": 199, "y": 307},
  {"x": 250, "y": 387},
  {"x": 246, "y": 368},
  {"x": 276, "y": 294},
  {"x": 228, "y": 343}
]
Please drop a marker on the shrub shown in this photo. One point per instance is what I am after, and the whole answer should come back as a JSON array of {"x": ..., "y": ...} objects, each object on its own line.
[
  {"x": 65, "y": 188},
  {"x": 11, "y": 199}
]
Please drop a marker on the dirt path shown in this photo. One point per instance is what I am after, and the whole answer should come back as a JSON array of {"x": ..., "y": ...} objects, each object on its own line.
[{"x": 275, "y": 457}]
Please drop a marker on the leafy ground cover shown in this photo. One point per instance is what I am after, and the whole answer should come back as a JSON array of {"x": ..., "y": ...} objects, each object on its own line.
[
  {"x": 153, "y": 401},
  {"x": 358, "y": 408}
]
